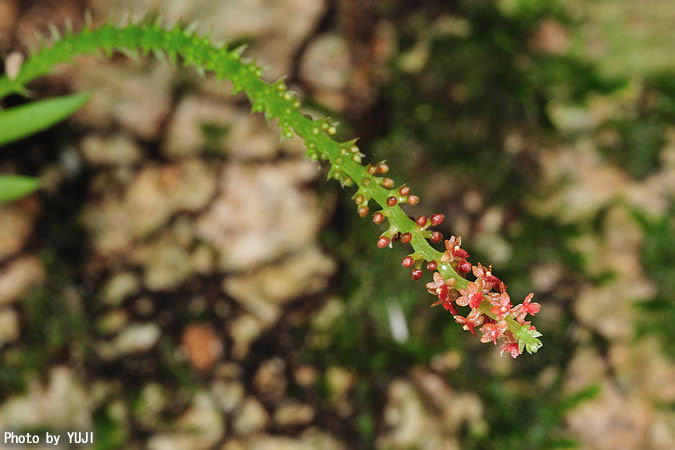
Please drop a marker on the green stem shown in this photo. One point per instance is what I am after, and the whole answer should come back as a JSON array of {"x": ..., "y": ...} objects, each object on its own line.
[{"x": 271, "y": 98}]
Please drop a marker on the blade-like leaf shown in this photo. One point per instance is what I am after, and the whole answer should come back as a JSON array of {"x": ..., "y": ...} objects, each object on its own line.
[
  {"x": 22, "y": 121},
  {"x": 15, "y": 186}
]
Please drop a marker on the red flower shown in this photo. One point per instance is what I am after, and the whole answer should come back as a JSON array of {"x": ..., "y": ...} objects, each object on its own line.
[
  {"x": 440, "y": 287},
  {"x": 485, "y": 274},
  {"x": 473, "y": 320},
  {"x": 471, "y": 296},
  {"x": 500, "y": 311},
  {"x": 511, "y": 347},
  {"x": 454, "y": 247},
  {"x": 493, "y": 331},
  {"x": 525, "y": 308}
]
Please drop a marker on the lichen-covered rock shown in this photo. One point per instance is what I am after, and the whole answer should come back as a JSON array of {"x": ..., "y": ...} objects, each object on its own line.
[
  {"x": 250, "y": 418},
  {"x": 293, "y": 414},
  {"x": 265, "y": 291},
  {"x": 18, "y": 276},
  {"x": 228, "y": 394},
  {"x": 136, "y": 338},
  {"x": 119, "y": 287},
  {"x": 457, "y": 408},
  {"x": 60, "y": 403},
  {"x": 199, "y": 428},
  {"x": 270, "y": 380},
  {"x": 9, "y": 326},
  {"x": 152, "y": 400},
  {"x": 640, "y": 367},
  {"x": 311, "y": 439},
  {"x": 152, "y": 198},
  {"x": 244, "y": 330},
  {"x": 339, "y": 381},
  {"x": 113, "y": 321},
  {"x": 158, "y": 192},
  {"x": 427, "y": 414},
  {"x": 16, "y": 223},
  {"x": 135, "y": 96},
  {"x": 115, "y": 150},
  {"x": 614, "y": 301},
  {"x": 594, "y": 185},
  {"x": 165, "y": 260},
  {"x": 410, "y": 424},
  {"x": 239, "y": 133},
  {"x": 326, "y": 66},
  {"x": 262, "y": 213},
  {"x": 613, "y": 420}
]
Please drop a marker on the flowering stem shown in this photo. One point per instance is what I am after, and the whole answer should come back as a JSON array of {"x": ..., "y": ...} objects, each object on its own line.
[{"x": 278, "y": 103}]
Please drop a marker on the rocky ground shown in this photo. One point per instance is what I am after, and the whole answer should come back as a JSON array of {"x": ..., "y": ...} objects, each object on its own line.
[{"x": 177, "y": 283}]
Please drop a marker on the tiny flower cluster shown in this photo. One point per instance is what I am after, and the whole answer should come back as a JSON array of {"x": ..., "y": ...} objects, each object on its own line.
[
  {"x": 491, "y": 310},
  {"x": 489, "y": 303}
]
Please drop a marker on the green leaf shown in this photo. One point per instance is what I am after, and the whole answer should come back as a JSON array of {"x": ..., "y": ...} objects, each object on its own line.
[
  {"x": 15, "y": 186},
  {"x": 21, "y": 121}
]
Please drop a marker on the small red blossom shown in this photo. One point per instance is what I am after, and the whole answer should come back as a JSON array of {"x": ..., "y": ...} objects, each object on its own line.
[
  {"x": 472, "y": 296},
  {"x": 447, "y": 305},
  {"x": 441, "y": 288},
  {"x": 486, "y": 275},
  {"x": 437, "y": 286},
  {"x": 436, "y": 282},
  {"x": 510, "y": 347},
  {"x": 525, "y": 308},
  {"x": 499, "y": 299},
  {"x": 453, "y": 246},
  {"x": 493, "y": 331},
  {"x": 473, "y": 320},
  {"x": 500, "y": 311}
]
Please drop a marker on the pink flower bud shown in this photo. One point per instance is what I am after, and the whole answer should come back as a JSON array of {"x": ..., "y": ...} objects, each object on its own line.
[
  {"x": 383, "y": 241},
  {"x": 437, "y": 219}
]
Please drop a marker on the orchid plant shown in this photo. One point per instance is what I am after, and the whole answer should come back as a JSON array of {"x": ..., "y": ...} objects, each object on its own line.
[{"x": 482, "y": 304}]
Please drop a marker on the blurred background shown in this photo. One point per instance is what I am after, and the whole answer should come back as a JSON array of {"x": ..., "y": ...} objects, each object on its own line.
[{"x": 186, "y": 281}]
